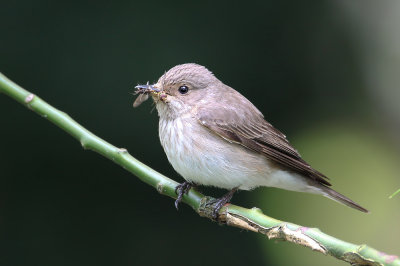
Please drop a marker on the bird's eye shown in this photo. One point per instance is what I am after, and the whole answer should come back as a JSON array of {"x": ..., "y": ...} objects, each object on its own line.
[{"x": 183, "y": 89}]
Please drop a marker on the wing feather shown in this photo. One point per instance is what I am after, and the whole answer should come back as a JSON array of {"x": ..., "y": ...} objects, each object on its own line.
[{"x": 248, "y": 128}]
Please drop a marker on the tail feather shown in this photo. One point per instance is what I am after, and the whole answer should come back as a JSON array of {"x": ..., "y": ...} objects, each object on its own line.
[{"x": 336, "y": 196}]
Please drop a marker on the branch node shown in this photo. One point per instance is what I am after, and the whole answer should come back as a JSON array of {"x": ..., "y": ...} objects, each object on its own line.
[
  {"x": 257, "y": 210},
  {"x": 83, "y": 144},
  {"x": 29, "y": 98},
  {"x": 206, "y": 209},
  {"x": 280, "y": 232},
  {"x": 283, "y": 232},
  {"x": 160, "y": 188},
  {"x": 122, "y": 150},
  {"x": 361, "y": 254},
  {"x": 354, "y": 258},
  {"x": 232, "y": 220}
]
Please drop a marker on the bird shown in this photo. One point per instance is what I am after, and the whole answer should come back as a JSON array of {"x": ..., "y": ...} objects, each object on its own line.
[{"x": 214, "y": 136}]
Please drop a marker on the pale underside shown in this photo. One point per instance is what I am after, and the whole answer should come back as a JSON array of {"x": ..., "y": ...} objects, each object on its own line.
[{"x": 211, "y": 160}]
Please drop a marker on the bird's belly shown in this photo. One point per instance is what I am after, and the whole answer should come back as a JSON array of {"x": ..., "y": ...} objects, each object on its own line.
[{"x": 201, "y": 157}]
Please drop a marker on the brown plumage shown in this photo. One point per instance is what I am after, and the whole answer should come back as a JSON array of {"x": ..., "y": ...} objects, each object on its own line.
[
  {"x": 213, "y": 135},
  {"x": 248, "y": 128}
]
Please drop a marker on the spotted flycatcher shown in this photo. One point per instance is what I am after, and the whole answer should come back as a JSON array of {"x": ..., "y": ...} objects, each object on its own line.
[{"x": 214, "y": 136}]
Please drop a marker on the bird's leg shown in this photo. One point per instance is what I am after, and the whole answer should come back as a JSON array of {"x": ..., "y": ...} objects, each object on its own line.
[
  {"x": 219, "y": 203},
  {"x": 182, "y": 189}
]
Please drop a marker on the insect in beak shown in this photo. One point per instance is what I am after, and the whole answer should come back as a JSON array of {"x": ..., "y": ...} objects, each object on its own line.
[
  {"x": 147, "y": 88},
  {"x": 144, "y": 91}
]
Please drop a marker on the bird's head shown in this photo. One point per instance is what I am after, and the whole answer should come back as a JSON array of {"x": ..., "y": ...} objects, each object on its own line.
[{"x": 181, "y": 89}]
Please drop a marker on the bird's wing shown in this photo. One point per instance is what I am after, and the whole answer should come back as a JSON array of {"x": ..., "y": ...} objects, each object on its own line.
[{"x": 247, "y": 127}]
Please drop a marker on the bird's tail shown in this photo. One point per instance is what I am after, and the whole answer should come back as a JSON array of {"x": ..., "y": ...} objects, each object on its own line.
[{"x": 336, "y": 196}]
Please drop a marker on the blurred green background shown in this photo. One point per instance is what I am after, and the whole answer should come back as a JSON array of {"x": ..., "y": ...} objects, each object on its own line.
[{"x": 324, "y": 72}]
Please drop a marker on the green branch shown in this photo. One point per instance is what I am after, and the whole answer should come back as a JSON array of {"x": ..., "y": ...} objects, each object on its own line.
[{"x": 249, "y": 219}]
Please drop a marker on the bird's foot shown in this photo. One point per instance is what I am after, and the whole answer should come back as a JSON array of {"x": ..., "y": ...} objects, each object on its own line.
[
  {"x": 182, "y": 189},
  {"x": 219, "y": 203}
]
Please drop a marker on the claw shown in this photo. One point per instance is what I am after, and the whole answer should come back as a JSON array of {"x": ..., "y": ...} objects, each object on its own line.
[
  {"x": 180, "y": 190},
  {"x": 219, "y": 203}
]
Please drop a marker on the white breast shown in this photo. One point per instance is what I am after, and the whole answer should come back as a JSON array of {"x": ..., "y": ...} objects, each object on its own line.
[{"x": 205, "y": 158}]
